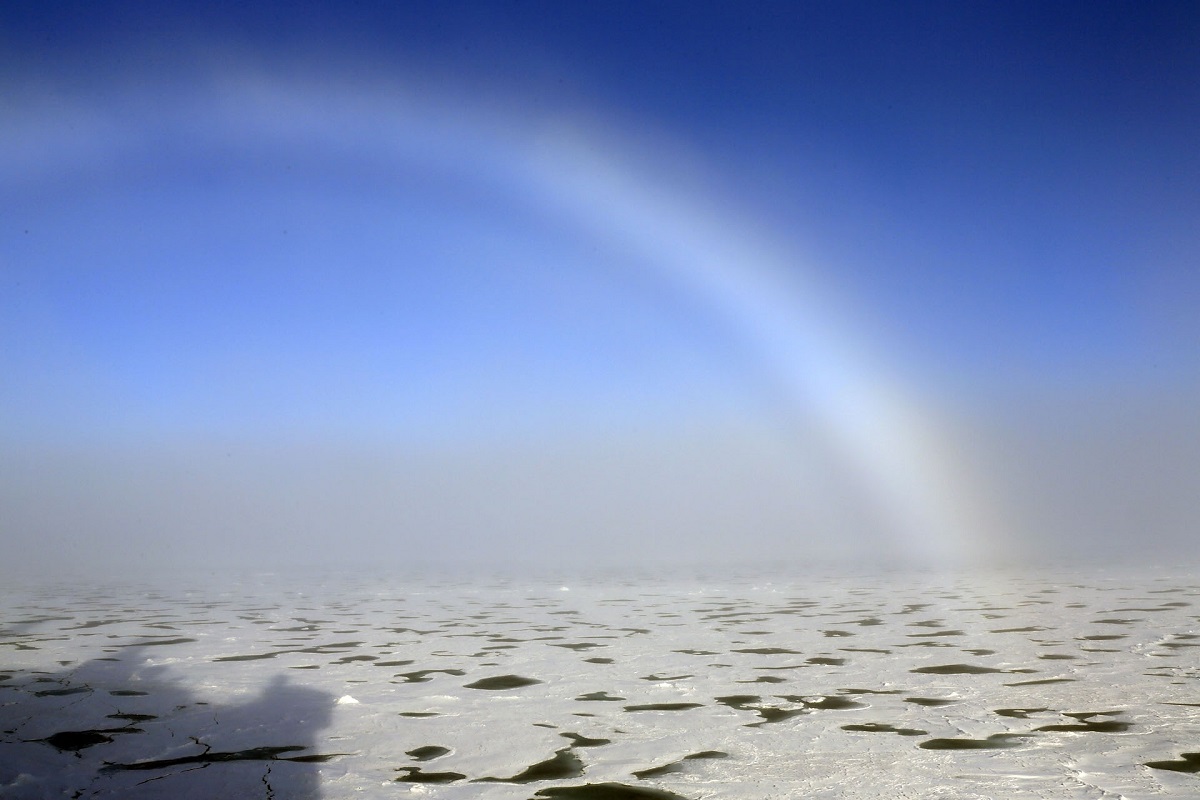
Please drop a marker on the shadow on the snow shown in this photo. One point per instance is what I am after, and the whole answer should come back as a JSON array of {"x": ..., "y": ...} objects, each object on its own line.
[{"x": 121, "y": 726}]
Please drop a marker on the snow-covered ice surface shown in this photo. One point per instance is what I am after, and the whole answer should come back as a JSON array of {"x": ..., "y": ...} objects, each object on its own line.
[{"x": 1066, "y": 686}]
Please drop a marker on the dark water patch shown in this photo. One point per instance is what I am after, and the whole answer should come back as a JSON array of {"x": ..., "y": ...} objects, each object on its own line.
[
  {"x": 565, "y": 764},
  {"x": 63, "y": 692},
  {"x": 933, "y": 634},
  {"x": 422, "y": 675},
  {"x": 209, "y": 757},
  {"x": 980, "y": 651},
  {"x": 608, "y": 791},
  {"x": 314, "y": 758},
  {"x": 1188, "y": 762},
  {"x": 250, "y": 657},
  {"x": 133, "y": 717},
  {"x": 869, "y": 691},
  {"x": 427, "y": 752},
  {"x": 771, "y": 714},
  {"x": 1019, "y": 713},
  {"x": 879, "y": 727},
  {"x": 598, "y": 660},
  {"x": 706, "y": 754},
  {"x": 159, "y": 642},
  {"x": 835, "y": 634},
  {"x": 1116, "y": 621},
  {"x": 867, "y": 621},
  {"x": 1163, "y": 607},
  {"x": 1041, "y": 682},
  {"x": 912, "y": 608},
  {"x": 415, "y": 775},
  {"x": 660, "y": 678},
  {"x": 864, "y": 650},
  {"x": 824, "y": 703},
  {"x": 826, "y": 661},
  {"x": 580, "y": 645},
  {"x": 74, "y": 741},
  {"x": 39, "y": 620},
  {"x": 1086, "y": 724},
  {"x": 1098, "y": 726},
  {"x": 697, "y": 652},
  {"x": 997, "y": 741},
  {"x": 545, "y": 725},
  {"x": 95, "y": 623},
  {"x": 579, "y": 740},
  {"x": 1058, "y": 657},
  {"x": 1179, "y": 645},
  {"x": 765, "y": 679},
  {"x": 741, "y": 702},
  {"x": 767, "y": 651},
  {"x": 325, "y": 649},
  {"x": 404, "y": 662},
  {"x": 930, "y": 702},
  {"x": 663, "y": 706},
  {"x": 598, "y": 697},
  {"x": 350, "y": 659},
  {"x": 127, "y": 693},
  {"x": 1103, "y": 637},
  {"x": 306, "y": 666},
  {"x": 419, "y": 714},
  {"x": 955, "y": 669},
  {"x": 1025, "y": 629},
  {"x": 654, "y": 772},
  {"x": 501, "y": 682}
]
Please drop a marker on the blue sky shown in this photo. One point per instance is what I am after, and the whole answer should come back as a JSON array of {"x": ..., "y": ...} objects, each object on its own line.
[{"x": 841, "y": 254}]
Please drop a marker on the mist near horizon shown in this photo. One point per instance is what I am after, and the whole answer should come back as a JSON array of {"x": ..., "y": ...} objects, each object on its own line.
[{"x": 282, "y": 304}]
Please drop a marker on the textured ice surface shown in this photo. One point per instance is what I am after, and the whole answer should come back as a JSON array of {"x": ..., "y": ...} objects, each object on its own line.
[{"x": 1043, "y": 685}]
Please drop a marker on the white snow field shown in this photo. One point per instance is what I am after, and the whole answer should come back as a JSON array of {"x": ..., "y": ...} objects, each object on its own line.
[{"x": 1071, "y": 685}]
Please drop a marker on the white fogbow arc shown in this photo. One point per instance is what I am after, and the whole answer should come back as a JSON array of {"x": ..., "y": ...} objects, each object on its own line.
[{"x": 895, "y": 446}]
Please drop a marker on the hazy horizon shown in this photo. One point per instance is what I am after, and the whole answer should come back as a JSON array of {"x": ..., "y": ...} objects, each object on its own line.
[{"x": 638, "y": 285}]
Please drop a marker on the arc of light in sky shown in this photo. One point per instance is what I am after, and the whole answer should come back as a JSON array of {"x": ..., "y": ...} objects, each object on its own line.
[{"x": 896, "y": 447}]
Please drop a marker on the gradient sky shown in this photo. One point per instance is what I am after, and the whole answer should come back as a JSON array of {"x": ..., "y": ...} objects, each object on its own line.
[{"x": 552, "y": 284}]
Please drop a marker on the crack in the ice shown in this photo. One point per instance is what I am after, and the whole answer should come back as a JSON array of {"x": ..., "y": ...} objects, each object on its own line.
[
  {"x": 22, "y": 724},
  {"x": 170, "y": 774}
]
